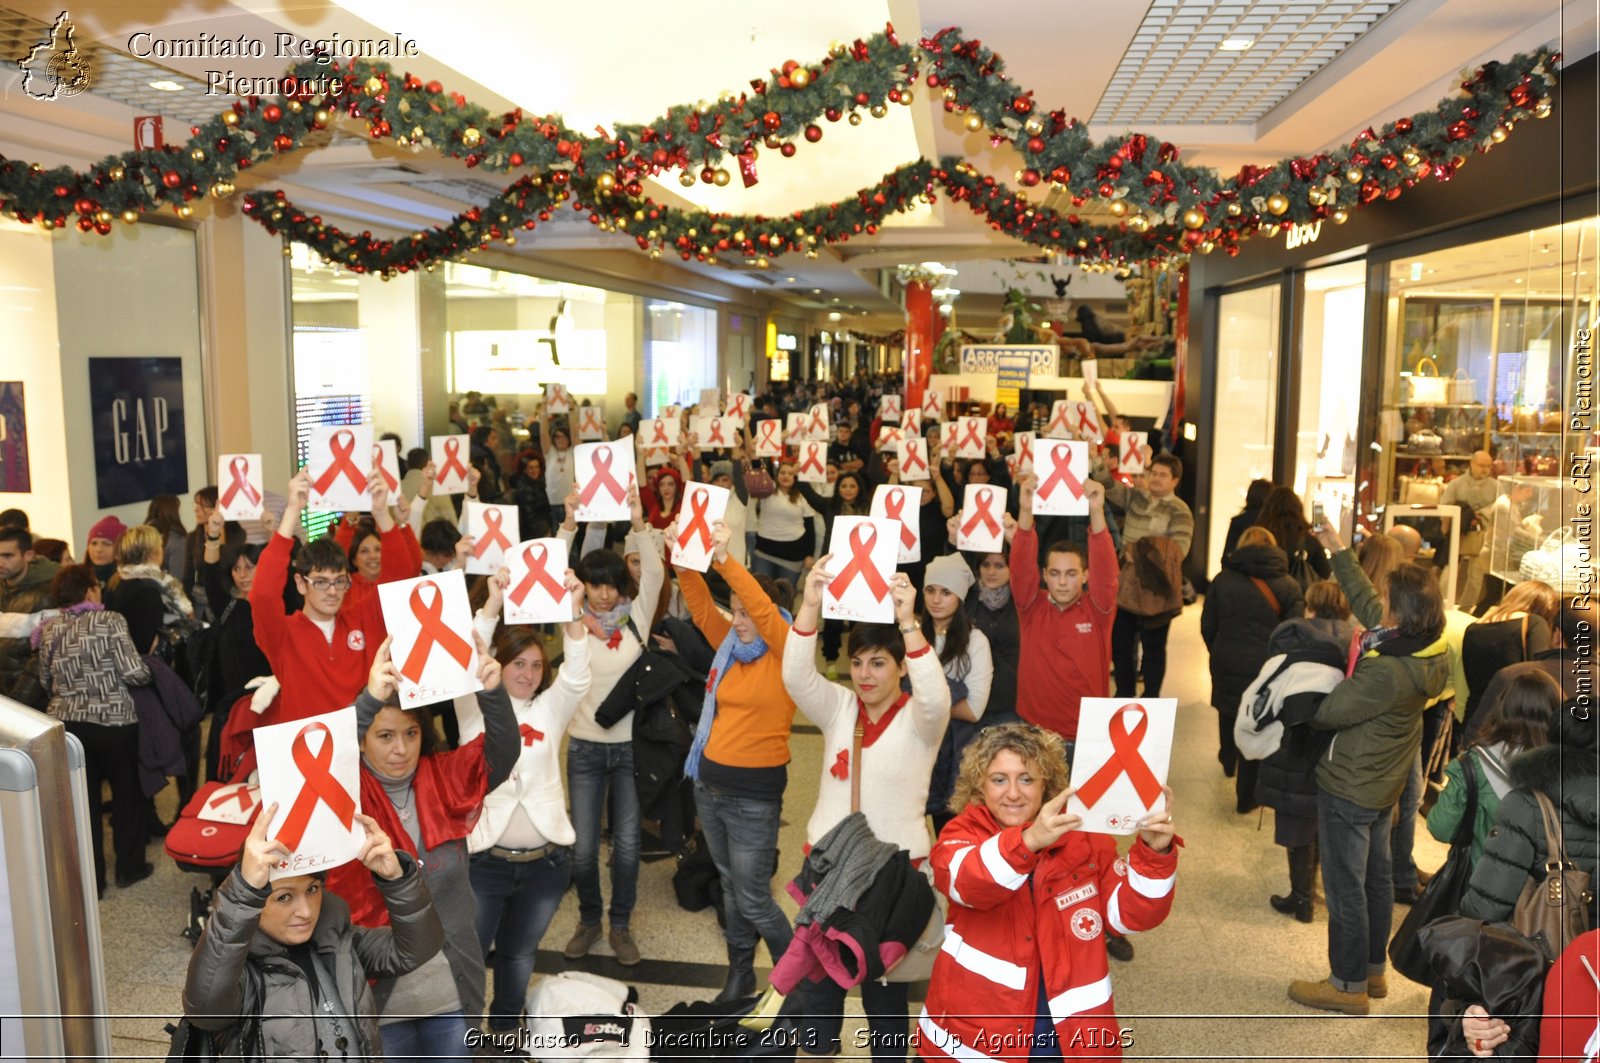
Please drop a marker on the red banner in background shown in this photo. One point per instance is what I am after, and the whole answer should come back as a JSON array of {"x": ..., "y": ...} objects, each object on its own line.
[{"x": 922, "y": 333}]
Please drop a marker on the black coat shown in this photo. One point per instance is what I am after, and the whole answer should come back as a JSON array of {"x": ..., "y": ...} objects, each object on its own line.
[
  {"x": 1286, "y": 781},
  {"x": 1237, "y": 620},
  {"x": 999, "y": 626}
]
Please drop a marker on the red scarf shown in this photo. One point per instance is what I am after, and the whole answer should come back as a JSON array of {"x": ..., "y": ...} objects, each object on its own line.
[
  {"x": 448, "y": 789},
  {"x": 870, "y": 731}
]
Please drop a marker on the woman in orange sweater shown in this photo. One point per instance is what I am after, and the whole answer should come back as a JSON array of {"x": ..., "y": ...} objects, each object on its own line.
[{"x": 740, "y": 756}]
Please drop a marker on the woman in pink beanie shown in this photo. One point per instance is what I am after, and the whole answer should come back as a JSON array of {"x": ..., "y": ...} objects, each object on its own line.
[{"x": 101, "y": 552}]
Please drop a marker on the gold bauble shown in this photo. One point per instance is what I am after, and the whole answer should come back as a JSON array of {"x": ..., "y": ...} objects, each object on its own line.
[
  {"x": 295, "y": 107},
  {"x": 1194, "y": 218},
  {"x": 320, "y": 116},
  {"x": 1316, "y": 197},
  {"x": 116, "y": 173},
  {"x": 907, "y": 97},
  {"x": 197, "y": 155},
  {"x": 738, "y": 236},
  {"x": 511, "y": 240},
  {"x": 1411, "y": 157},
  {"x": 1278, "y": 203},
  {"x": 219, "y": 190},
  {"x": 878, "y": 110},
  {"x": 1499, "y": 133},
  {"x": 702, "y": 107},
  {"x": 1118, "y": 207},
  {"x": 973, "y": 123},
  {"x": 185, "y": 211},
  {"x": 1542, "y": 109},
  {"x": 838, "y": 49},
  {"x": 799, "y": 77},
  {"x": 950, "y": 92},
  {"x": 1139, "y": 223},
  {"x": 855, "y": 117},
  {"x": 1033, "y": 126},
  {"x": 102, "y": 216},
  {"x": 130, "y": 216},
  {"x": 605, "y": 182},
  {"x": 1206, "y": 247},
  {"x": 471, "y": 137},
  {"x": 1354, "y": 175},
  {"x": 655, "y": 252},
  {"x": 1234, "y": 210},
  {"x": 375, "y": 85},
  {"x": 1340, "y": 216},
  {"x": 725, "y": 97},
  {"x": 230, "y": 118},
  {"x": 721, "y": 178},
  {"x": 762, "y": 263}
]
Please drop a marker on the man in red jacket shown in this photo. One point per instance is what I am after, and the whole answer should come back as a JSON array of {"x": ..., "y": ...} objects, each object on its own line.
[{"x": 1066, "y": 627}]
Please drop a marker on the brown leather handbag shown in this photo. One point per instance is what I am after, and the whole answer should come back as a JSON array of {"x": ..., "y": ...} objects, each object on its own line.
[{"x": 1554, "y": 908}]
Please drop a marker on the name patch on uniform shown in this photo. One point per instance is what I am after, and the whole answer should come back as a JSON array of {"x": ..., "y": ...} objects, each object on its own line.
[{"x": 1075, "y": 896}]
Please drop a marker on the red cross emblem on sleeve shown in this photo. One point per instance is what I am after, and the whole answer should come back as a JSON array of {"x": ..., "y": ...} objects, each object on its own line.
[
  {"x": 981, "y": 501},
  {"x": 320, "y": 787},
  {"x": 860, "y": 565},
  {"x": 1124, "y": 760},
  {"x": 537, "y": 575},
  {"x": 601, "y": 476},
  {"x": 491, "y": 534},
  {"x": 452, "y": 461},
  {"x": 342, "y": 447},
  {"x": 239, "y": 472},
  {"x": 435, "y": 632},
  {"x": 1062, "y": 455}
]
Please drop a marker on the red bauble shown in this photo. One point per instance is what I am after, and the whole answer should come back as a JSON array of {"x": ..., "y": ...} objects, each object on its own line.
[
  {"x": 1402, "y": 126},
  {"x": 707, "y": 174},
  {"x": 434, "y": 87},
  {"x": 172, "y": 178},
  {"x": 1459, "y": 130},
  {"x": 787, "y": 150},
  {"x": 894, "y": 95},
  {"x": 1520, "y": 96},
  {"x": 813, "y": 133},
  {"x": 84, "y": 206},
  {"x": 516, "y": 158},
  {"x": 832, "y": 114},
  {"x": 863, "y": 99},
  {"x": 660, "y": 157},
  {"x": 1036, "y": 144},
  {"x": 1030, "y": 177},
  {"x": 1389, "y": 162},
  {"x": 283, "y": 142},
  {"x": 272, "y": 112},
  {"x": 1370, "y": 190},
  {"x": 1022, "y": 105},
  {"x": 772, "y": 120},
  {"x": 62, "y": 191}
]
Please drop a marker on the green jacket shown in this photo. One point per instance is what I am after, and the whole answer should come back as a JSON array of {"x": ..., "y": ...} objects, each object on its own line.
[
  {"x": 1451, "y": 805},
  {"x": 19, "y": 662},
  {"x": 1377, "y": 714}
]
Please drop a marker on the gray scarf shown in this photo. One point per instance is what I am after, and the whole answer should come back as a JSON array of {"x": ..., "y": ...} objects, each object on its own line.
[{"x": 995, "y": 597}]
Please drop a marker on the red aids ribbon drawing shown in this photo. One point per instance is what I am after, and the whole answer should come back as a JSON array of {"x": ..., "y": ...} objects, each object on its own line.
[
  {"x": 698, "y": 501},
  {"x": 1025, "y": 447},
  {"x": 240, "y": 794},
  {"x": 813, "y": 459},
  {"x": 769, "y": 434},
  {"x": 971, "y": 435},
  {"x": 529, "y": 735},
  {"x": 491, "y": 534},
  {"x": 914, "y": 460},
  {"x": 591, "y": 420},
  {"x": 660, "y": 435},
  {"x": 1086, "y": 422},
  {"x": 341, "y": 445},
  {"x": 452, "y": 460},
  {"x": 377, "y": 463},
  {"x": 1059, "y": 420},
  {"x": 1062, "y": 474},
  {"x": 981, "y": 501},
  {"x": 819, "y": 423},
  {"x": 1124, "y": 760},
  {"x": 1130, "y": 450},
  {"x": 601, "y": 476},
  {"x": 320, "y": 785},
  {"x": 239, "y": 470},
  {"x": 736, "y": 406},
  {"x": 893, "y": 504},
  {"x": 536, "y": 574},
  {"x": 716, "y": 432},
  {"x": 434, "y": 632},
  {"x": 841, "y": 765},
  {"x": 860, "y": 565}
]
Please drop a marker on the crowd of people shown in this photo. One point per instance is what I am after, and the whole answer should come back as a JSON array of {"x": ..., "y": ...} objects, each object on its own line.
[{"x": 1348, "y": 699}]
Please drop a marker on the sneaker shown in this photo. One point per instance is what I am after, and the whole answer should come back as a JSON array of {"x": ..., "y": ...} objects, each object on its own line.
[
  {"x": 582, "y": 941},
  {"x": 622, "y": 945},
  {"x": 1119, "y": 948},
  {"x": 1323, "y": 995}
]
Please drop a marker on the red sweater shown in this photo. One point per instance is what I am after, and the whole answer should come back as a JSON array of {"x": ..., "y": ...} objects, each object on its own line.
[{"x": 1066, "y": 653}]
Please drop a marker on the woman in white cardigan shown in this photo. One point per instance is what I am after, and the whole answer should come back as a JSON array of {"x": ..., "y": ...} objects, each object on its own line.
[
  {"x": 900, "y": 739},
  {"x": 521, "y": 847}
]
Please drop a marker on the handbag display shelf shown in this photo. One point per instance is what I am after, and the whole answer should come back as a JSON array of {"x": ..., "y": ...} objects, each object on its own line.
[{"x": 1524, "y": 516}]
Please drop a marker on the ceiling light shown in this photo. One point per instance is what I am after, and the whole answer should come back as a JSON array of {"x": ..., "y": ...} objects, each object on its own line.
[
  {"x": 789, "y": 279},
  {"x": 1416, "y": 271},
  {"x": 166, "y": 86},
  {"x": 834, "y": 315},
  {"x": 1236, "y": 44}
]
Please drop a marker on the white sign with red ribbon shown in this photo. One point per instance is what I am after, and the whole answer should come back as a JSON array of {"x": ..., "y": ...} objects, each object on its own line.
[
  {"x": 769, "y": 438},
  {"x": 1062, "y": 420},
  {"x": 591, "y": 423},
  {"x": 738, "y": 406},
  {"x": 1062, "y": 467},
  {"x": 813, "y": 463},
  {"x": 312, "y": 769},
  {"x": 889, "y": 437},
  {"x": 493, "y": 530},
  {"x": 932, "y": 405},
  {"x": 947, "y": 438},
  {"x": 386, "y": 463},
  {"x": 971, "y": 433},
  {"x": 672, "y": 412},
  {"x": 794, "y": 428},
  {"x": 1130, "y": 456},
  {"x": 911, "y": 423},
  {"x": 817, "y": 423},
  {"x": 663, "y": 432},
  {"x": 430, "y": 631},
  {"x": 980, "y": 526},
  {"x": 1120, "y": 761},
  {"x": 537, "y": 591},
  {"x": 700, "y": 429},
  {"x": 903, "y": 505},
  {"x": 864, "y": 551},
  {"x": 1086, "y": 421},
  {"x": 913, "y": 455},
  {"x": 703, "y": 505},
  {"x": 339, "y": 462},
  {"x": 557, "y": 399},
  {"x": 235, "y": 803},
  {"x": 1022, "y": 450},
  {"x": 724, "y": 432},
  {"x": 604, "y": 473},
  {"x": 450, "y": 457},
  {"x": 889, "y": 408},
  {"x": 239, "y": 494},
  {"x": 710, "y": 402}
]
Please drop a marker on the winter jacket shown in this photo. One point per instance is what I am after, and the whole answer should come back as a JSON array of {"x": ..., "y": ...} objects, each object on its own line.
[
  {"x": 1486, "y": 648},
  {"x": 1445, "y": 815},
  {"x": 19, "y": 665},
  {"x": 1000, "y": 627},
  {"x": 1515, "y": 850},
  {"x": 1237, "y": 619},
  {"x": 167, "y": 711},
  {"x": 1017, "y": 916},
  {"x": 213, "y": 992},
  {"x": 1307, "y": 663},
  {"x": 1377, "y": 716}
]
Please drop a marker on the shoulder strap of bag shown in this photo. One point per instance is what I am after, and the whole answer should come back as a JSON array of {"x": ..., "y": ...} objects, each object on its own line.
[
  {"x": 855, "y": 763},
  {"x": 1266, "y": 591},
  {"x": 1555, "y": 848},
  {"x": 1524, "y": 636}
]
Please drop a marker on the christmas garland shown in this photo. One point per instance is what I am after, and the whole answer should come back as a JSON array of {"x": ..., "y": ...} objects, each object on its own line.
[{"x": 1163, "y": 207}]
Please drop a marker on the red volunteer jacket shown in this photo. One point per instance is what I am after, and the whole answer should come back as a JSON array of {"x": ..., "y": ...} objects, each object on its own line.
[
  {"x": 1016, "y": 916},
  {"x": 1066, "y": 653}
]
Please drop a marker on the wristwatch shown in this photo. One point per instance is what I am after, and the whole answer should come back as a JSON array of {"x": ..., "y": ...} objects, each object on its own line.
[{"x": 906, "y": 629}]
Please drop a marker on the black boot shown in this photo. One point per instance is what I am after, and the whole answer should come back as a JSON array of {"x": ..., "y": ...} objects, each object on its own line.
[
  {"x": 741, "y": 981},
  {"x": 1302, "y": 871}
]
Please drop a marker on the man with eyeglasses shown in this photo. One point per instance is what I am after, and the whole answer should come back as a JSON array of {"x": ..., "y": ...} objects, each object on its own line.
[{"x": 320, "y": 655}]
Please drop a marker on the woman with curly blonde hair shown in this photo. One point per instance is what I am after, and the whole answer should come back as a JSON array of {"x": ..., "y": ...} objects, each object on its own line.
[{"x": 1031, "y": 898}]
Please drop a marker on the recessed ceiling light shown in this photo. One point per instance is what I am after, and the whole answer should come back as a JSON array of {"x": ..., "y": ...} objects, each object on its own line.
[
  {"x": 166, "y": 86},
  {"x": 1236, "y": 44}
]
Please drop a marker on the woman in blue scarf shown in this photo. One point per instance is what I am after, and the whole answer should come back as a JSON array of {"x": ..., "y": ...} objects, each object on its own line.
[{"x": 740, "y": 756}]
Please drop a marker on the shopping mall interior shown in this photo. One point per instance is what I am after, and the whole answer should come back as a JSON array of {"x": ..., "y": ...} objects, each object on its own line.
[{"x": 1342, "y": 245}]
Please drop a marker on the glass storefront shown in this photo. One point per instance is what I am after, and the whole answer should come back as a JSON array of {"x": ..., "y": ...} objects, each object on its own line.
[
  {"x": 1327, "y": 450},
  {"x": 1246, "y": 402}
]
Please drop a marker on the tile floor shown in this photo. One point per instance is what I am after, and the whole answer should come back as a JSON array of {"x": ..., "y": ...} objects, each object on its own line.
[{"x": 1209, "y": 984}]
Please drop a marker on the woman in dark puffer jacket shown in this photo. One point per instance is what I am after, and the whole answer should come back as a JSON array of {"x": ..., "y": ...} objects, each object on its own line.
[{"x": 1249, "y": 598}]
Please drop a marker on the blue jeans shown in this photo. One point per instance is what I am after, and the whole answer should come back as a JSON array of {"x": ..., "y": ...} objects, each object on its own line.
[
  {"x": 435, "y": 1037},
  {"x": 1404, "y": 836},
  {"x": 515, "y": 905},
  {"x": 1358, "y": 883},
  {"x": 592, "y": 769},
  {"x": 742, "y": 834}
]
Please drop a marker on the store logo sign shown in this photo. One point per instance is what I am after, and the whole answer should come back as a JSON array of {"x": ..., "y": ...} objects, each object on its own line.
[
  {"x": 1302, "y": 234},
  {"x": 54, "y": 67}
]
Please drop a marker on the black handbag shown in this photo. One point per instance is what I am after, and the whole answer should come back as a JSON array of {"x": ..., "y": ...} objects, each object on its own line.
[
  {"x": 190, "y": 1044},
  {"x": 1442, "y": 896}
]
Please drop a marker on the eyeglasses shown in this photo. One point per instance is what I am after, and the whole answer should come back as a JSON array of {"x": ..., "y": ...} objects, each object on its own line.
[{"x": 325, "y": 585}]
